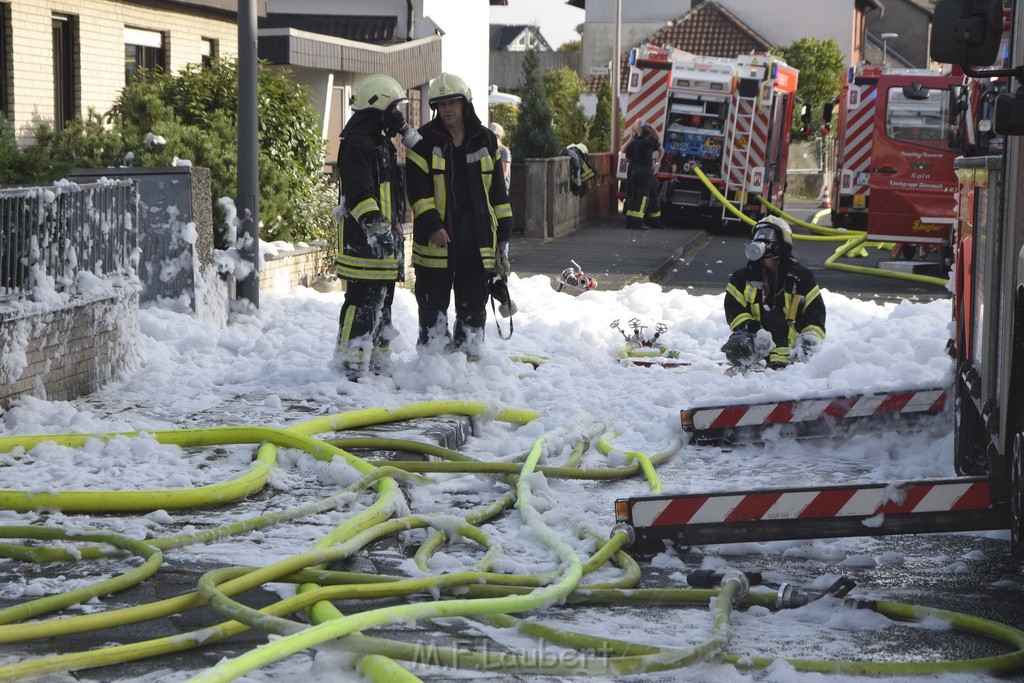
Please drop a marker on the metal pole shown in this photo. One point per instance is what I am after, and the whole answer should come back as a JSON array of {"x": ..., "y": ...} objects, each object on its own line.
[
  {"x": 248, "y": 159},
  {"x": 616, "y": 133}
]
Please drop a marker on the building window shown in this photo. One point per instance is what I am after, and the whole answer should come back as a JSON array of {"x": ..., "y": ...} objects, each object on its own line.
[
  {"x": 208, "y": 51},
  {"x": 5, "y": 60},
  {"x": 64, "y": 69},
  {"x": 142, "y": 50}
]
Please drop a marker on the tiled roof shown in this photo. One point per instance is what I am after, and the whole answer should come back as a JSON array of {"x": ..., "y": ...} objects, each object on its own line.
[{"x": 707, "y": 29}]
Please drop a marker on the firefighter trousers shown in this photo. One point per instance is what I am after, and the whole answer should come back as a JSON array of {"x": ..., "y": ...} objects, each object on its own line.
[
  {"x": 365, "y": 331},
  {"x": 465, "y": 275},
  {"x": 643, "y": 198}
]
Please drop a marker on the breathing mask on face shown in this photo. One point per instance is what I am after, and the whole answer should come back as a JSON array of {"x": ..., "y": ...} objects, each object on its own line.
[{"x": 764, "y": 243}]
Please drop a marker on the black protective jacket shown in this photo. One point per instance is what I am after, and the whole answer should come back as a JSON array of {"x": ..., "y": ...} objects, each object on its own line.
[
  {"x": 429, "y": 178},
  {"x": 371, "y": 186},
  {"x": 794, "y": 305}
]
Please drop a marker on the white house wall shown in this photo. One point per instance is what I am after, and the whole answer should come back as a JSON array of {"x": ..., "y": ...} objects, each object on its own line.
[
  {"x": 467, "y": 43},
  {"x": 465, "y": 25},
  {"x": 790, "y": 20}
]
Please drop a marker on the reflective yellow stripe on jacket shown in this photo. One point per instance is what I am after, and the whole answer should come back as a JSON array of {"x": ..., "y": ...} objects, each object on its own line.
[{"x": 357, "y": 268}]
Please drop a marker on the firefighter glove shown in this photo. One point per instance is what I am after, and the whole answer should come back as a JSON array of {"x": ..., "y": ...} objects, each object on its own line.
[
  {"x": 739, "y": 348},
  {"x": 374, "y": 223},
  {"x": 501, "y": 266},
  {"x": 807, "y": 344}
]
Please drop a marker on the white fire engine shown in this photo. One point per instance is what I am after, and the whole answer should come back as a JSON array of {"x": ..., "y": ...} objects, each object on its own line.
[{"x": 729, "y": 117}]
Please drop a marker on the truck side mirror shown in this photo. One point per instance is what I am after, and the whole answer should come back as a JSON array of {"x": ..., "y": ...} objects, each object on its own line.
[
  {"x": 1010, "y": 113},
  {"x": 915, "y": 91},
  {"x": 961, "y": 38}
]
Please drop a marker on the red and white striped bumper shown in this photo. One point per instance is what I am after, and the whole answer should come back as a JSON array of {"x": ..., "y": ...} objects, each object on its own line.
[
  {"x": 939, "y": 505},
  {"x": 712, "y": 422}
]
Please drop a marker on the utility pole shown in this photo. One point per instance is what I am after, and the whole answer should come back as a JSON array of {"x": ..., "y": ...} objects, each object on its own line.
[
  {"x": 616, "y": 133},
  {"x": 246, "y": 201}
]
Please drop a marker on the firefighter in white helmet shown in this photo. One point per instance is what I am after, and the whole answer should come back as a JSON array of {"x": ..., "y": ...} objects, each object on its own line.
[
  {"x": 773, "y": 304},
  {"x": 370, "y": 211},
  {"x": 462, "y": 223}
]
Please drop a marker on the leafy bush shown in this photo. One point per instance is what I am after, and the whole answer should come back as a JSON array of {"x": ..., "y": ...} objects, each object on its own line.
[
  {"x": 192, "y": 115},
  {"x": 564, "y": 88}
]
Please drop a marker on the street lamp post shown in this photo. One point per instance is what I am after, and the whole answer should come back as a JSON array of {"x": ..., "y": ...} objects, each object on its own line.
[
  {"x": 886, "y": 37},
  {"x": 616, "y": 133}
]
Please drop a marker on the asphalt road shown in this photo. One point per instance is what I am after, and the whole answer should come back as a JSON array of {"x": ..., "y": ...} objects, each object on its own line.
[{"x": 714, "y": 253}]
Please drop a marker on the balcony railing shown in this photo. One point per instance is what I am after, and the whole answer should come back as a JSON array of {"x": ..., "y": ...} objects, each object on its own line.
[{"x": 50, "y": 236}]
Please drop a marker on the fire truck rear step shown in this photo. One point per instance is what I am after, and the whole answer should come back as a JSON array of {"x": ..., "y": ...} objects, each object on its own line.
[{"x": 820, "y": 416}]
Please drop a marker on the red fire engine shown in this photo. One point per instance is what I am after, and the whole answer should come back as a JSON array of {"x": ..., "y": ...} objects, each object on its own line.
[
  {"x": 894, "y": 164},
  {"x": 988, "y": 348},
  {"x": 729, "y": 117}
]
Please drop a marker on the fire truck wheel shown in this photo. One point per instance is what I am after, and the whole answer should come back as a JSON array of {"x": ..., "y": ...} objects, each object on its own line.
[{"x": 1017, "y": 498}]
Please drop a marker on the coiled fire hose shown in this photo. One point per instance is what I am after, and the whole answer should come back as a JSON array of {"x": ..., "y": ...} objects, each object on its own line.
[{"x": 479, "y": 592}]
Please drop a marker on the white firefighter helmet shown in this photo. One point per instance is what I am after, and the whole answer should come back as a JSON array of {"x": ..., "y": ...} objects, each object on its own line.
[
  {"x": 448, "y": 87},
  {"x": 377, "y": 91},
  {"x": 779, "y": 232}
]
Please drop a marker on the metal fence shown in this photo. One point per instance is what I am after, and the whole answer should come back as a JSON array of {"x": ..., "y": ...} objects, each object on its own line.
[
  {"x": 49, "y": 235},
  {"x": 807, "y": 156}
]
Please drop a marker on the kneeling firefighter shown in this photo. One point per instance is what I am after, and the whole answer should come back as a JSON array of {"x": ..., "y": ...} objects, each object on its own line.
[{"x": 773, "y": 304}]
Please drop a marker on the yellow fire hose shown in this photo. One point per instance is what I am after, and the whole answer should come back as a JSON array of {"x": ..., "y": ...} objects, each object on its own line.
[
  {"x": 852, "y": 239},
  {"x": 478, "y": 592}
]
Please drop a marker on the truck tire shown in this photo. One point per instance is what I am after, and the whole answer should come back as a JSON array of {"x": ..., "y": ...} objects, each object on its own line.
[
  {"x": 969, "y": 457},
  {"x": 1017, "y": 498}
]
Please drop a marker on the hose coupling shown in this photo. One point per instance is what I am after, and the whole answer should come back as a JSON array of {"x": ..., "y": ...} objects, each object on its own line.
[
  {"x": 625, "y": 529},
  {"x": 709, "y": 578},
  {"x": 741, "y": 579},
  {"x": 790, "y": 596}
]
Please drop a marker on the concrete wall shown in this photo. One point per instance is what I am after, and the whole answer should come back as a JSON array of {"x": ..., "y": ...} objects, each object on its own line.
[
  {"x": 100, "y": 50},
  {"x": 65, "y": 352},
  {"x": 550, "y": 209}
]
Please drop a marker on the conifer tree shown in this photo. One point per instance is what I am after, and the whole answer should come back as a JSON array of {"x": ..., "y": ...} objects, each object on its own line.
[
  {"x": 533, "y": 137},
  {"x": 599, "y": 139}
]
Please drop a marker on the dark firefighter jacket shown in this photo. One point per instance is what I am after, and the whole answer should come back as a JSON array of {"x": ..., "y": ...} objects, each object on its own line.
[
  {"x": 371, "y": 186},
  {"x": 429, "y": 178},
  {"x": 795, "y": 305}
]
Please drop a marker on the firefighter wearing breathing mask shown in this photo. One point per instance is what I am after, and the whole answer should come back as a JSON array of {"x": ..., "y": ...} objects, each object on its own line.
[
  {"x": 370, "y": 244},
  {"x": 773, "y": 304}
]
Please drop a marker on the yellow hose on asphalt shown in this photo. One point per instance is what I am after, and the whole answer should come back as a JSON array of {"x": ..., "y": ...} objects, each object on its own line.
[
  {"x": 852, "y": 242},
  {"x": 478, "y": 592}
]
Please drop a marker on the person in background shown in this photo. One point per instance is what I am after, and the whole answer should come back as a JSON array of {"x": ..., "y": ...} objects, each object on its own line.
[
  {"x": 462, "y": 219},
  {"x": 504, "y": 153},
  {"x": 370, "y": 244},
  {"x": 579, "y": 167},
  {"x": 640, "y": 152},
  {"x": 773, "y": 304}
]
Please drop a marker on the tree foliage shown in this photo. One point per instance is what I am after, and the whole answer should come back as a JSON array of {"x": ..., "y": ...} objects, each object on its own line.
[
  {"x": 564, "y": 88},
  {"x": 599, "y": 138},
  {"x": 192, "y": 115},
  {"x": 570, "y": 46},
  {"x": 533, "y": 137},
  {"x": 508, "y": 116},
  {"x": 822, "y": 65}
]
